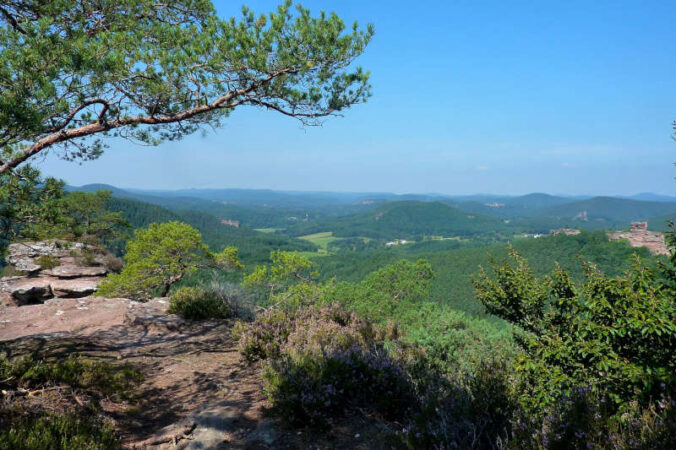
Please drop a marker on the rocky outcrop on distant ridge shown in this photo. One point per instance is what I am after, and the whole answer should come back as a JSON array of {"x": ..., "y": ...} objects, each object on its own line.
[{"x": 52, "y": 269}]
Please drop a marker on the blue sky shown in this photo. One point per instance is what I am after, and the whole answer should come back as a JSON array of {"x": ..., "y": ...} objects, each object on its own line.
[{"x": 507, "y": 97}]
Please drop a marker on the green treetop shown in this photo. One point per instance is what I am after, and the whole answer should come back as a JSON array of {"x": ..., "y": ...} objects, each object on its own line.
[
  {"x": 615, "y": 336},
  {"x": 27, "y": 200},
  {"x": 160, "y": 256},
  {"x": 74, "y": 71}
]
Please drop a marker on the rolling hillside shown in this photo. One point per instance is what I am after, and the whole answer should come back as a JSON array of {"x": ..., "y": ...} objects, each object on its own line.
[
  {"x": 512, "y": 207},
  {"x": 609, "y": 209},
  {"x": 254, "y": 247},
  {"x": 408, "y": 220},
  {"x": 455, "y": 268}
]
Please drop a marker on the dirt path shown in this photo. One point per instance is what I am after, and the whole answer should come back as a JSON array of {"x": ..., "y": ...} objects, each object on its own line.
[
  {"x": 196, "y": 392},
  {"x": 187, "y": 368}
]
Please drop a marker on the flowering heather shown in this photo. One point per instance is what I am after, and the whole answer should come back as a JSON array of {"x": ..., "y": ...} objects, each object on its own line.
[{"x": 320, "y": 361}]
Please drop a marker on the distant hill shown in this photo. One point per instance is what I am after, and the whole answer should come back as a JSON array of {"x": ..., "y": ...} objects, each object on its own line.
[
  {"x": 327, "y": 211},
  {"x": 650, "y": 197},
  {"x": 254, "y": 247},
  {"x": 513, "y": 207},
  {"x": 455, "y": 268},
  {"x": 610, "y": 210},
  {"x": 407, "y": 219},
  {"x": 660, "y": 223}
]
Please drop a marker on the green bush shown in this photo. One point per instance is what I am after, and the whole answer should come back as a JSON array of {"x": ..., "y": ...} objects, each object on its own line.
[
  {"x": 113, "y": 380},
  {"x": 320, "y": 362},
  {"x": 195, "y": 303},
  {"x": 58, "y": 432},
  {"x": 47, "y": 262},
  {"x": 34, "y": 427},
  {"x": 86, "y": 257},
  {"x": 10, "y": 271}
]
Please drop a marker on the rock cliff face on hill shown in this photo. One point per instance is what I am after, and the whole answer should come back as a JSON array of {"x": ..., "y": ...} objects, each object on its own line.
[{"x": 52, "y": 269}]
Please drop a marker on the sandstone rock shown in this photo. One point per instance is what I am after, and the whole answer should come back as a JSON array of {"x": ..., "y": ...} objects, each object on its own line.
[
  {"x": 57, "y": 249},
  {"x": 266, "y": 431},
  {"x": 28, "y": 291},
  {"x": 68, "y": 279},
  {"x": 74, "y": 271},
  {"x": 74, "y": 288},
  {"x": 153, "y": 319},
  {"x": 6, "y": 299}
]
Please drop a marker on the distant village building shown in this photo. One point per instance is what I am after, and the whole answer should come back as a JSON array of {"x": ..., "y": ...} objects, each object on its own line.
[
  {"x": 566, "y": 231},
  {"x": 639, "y": 236},
  {"x": 230, "y": 223},
  {"x": 396, "y": 242}
]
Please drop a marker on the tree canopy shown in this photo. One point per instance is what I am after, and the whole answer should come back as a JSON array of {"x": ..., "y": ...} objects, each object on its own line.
[
  {"x": 72, "y": 71},
  {"x": 160, "y": 256},
  {"x": 26, "y": 201},
  {"x": 613, "y": 335}
]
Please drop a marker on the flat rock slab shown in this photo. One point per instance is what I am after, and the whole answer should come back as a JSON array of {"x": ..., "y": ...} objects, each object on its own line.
[
  {"x": 153, "y": 316},
  {"x": 29, "y": 290},
  {"x": 80, "y": 316},
  {"x": 75, "y": 288},
  {"x": 73, "y": 271},
  {"x": 57, "y": 249},
  {"x": 209, "y": 427}
]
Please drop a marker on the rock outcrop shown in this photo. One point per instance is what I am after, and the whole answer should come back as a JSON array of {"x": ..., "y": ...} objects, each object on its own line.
[
  {"x": 51, "y": 269},
  {"x": 639, "y": 236}
]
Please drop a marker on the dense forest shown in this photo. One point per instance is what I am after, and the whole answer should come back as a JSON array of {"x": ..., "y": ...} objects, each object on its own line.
[{"x": 255, "y": 318}]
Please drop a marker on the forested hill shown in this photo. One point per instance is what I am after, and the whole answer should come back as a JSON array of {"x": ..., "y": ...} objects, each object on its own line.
[
  {"x": 610, "y": 210},
  {"x": 454, "y": 269},
  {"x": 387, "y": 216},
  {"x": 511, "y": 207},
  {"x": 408, "y": 220},
  {"x": 254, "y": 247}
]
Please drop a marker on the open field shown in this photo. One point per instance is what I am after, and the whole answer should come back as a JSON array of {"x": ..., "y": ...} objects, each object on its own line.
[
  {"x": 321, "y": 239},
  {"x": 267, "y": 230}
]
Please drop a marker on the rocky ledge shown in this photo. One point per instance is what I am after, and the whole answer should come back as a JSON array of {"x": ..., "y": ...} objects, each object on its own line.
[{"x": 52, "y": 269}]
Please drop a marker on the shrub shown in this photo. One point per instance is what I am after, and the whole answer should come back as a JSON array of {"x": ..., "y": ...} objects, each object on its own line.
[
  {"x": 112, "y": 263},
  {"x": 10, "y": 271},
  {"x": 313, "y": 389},
  {"x": 195, "y": 303},
  {"x": 318, "y": 362},
  {"x": 596, "y": 366},
  {"x": 58, "y": 432},
  {"x": 86, "y": 257},
  {"x": 94, "y": 376},
  {"x": 47, "y": 262},
  {"x": 469, "y": 412},
  {"x": 263, "y": 338}
]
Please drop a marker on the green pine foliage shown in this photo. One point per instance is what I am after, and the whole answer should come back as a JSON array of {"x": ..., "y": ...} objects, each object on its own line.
[
  {"x": 160, "y": 256},
  {"x": 159, "y": 71}
]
